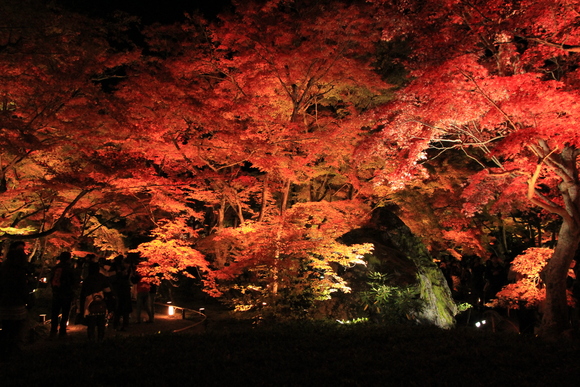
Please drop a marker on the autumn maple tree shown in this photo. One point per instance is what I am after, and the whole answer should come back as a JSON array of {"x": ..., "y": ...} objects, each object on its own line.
[
  {"x": 497, "y": 80},
  {"x": 527, "y": 291},
  {"x": 285, "y": 271},
  {"x": 68, "y": 178},
  {"x": 170, "y": 252},
  {"x": 253, "y": 118},
  {"x": 231, "y": 145}
]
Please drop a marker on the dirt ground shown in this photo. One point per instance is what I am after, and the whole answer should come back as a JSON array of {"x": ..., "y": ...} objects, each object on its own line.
[{"x": 187, "y": 321}]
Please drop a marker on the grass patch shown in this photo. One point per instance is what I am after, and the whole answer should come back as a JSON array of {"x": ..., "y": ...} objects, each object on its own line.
[{"x": 305, "y": 355}]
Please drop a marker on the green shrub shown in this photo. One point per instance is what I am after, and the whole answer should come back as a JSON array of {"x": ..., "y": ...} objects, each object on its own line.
[{"x": 388, "y": 303}]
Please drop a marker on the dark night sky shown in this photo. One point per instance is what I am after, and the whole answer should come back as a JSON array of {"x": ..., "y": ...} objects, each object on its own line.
[{"x": 163, "y": 11}]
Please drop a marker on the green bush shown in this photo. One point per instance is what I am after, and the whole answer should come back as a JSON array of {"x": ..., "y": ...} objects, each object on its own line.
[{"x": 388, "y": 303}]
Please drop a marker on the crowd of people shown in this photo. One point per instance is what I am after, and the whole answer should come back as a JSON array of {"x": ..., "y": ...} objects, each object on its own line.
[{"x": 92, "y": 291}]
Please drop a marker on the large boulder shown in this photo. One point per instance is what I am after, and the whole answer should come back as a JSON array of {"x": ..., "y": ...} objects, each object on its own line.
[{"x": 402, "y": 255}]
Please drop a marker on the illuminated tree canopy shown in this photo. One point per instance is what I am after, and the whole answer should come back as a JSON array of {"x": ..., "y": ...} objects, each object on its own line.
[
  {"x": 498, "y": 81},
  {"x": 282, "y": 98},
  {"x": 59, "y": 143},
  {"x": 245, "y": 146}
]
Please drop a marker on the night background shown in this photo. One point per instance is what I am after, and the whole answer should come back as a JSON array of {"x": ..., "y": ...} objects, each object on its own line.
[
  {"x": 149, "y": 11},
  {"x": 330, "y": 192}
]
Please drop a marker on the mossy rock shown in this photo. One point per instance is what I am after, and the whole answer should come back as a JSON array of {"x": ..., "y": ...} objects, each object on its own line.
[{"x": 402, "y": 255}]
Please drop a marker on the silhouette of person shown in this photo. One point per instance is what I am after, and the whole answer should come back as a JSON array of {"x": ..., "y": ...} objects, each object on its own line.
[
  {"x": 121, "y": 281},
  {"x": 63, "y": 283},
  {"x": 95, "y": 285},
  {"x": 495, "y": 276},
  {"x": 89, "y": 258},
  {"x": 13, "y": 298},
  {"x": 478, "y": 282},
  {"x": 151, "y": 300},
  {"x": 143, "y": 295}
]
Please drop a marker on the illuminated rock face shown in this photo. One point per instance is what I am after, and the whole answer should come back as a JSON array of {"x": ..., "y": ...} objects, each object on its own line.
[{"x": 400, "y": 253}]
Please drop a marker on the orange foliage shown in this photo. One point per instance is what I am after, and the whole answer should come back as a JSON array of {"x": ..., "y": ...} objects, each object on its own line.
[
  {"x": 528, "y": 291},
  {"x": 292, "y": 257},
  {"x": 170, "y": 253}
]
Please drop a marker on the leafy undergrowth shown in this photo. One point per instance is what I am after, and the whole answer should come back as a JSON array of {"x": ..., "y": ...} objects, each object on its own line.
[{"x": 304, "y": 355}]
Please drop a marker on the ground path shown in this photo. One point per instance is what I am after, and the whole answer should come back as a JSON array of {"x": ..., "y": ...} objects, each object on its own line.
[{"x": 188, "y": 321}]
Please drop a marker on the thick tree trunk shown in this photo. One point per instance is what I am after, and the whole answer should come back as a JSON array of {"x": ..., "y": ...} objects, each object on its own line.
[{"x": 555, "y": 310}]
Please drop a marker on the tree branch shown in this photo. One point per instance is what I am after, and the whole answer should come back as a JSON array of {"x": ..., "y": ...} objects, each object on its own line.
[
  {"x": 546, "y": 204},
  {"x": 56, "y": 225}
]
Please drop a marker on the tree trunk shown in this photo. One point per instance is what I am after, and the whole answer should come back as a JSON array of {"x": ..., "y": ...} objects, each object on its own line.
[
  {"x": 274, "y": 270},
  {"x": 221, "y": 213},
  {"x": 555, "y": 309},
  {"x": 264, "y": 200},
  {"x": 555, "y": 319},
  {"x": 285, "y": 197}
]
